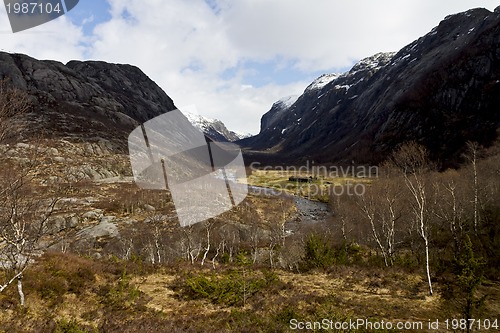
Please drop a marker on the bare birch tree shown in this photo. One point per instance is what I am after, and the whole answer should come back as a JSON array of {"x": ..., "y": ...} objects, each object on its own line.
[
  {"x": 381, "y": 206},
  {"x": 208, "y": 226},
  {"x": 24, "y": 212},
  {"x": 25, "y": 207},
  {"x": 413, "y": 161},
  {"x": 191, "y": 244},
  {"x": 472, "y": 156},
  {"x": 449, "y": 206}
]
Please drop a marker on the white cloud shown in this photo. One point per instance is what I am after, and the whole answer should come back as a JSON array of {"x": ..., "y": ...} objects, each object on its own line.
[
  {"x": 327, "y": 34},
  {"x": 56, "y": 40},
  {"x": 172, "y": 35},
  {"x": 239, "y": 106}
]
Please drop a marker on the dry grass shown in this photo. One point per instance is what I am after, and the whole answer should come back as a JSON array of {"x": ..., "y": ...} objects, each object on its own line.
[
  {"x": 369, "y": 296},
  {"x": 153, "y": 297},
  {"x": 318, "y": 188}
]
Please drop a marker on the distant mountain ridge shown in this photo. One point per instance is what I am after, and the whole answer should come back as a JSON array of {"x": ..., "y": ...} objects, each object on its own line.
[
  {"x": 214, "y": 128},
  {"x": 441, "y": 90},
  {"x": 284, "y": 118}
]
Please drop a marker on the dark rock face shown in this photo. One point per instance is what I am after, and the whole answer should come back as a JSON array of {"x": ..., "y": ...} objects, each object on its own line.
[
  {"x": 128, "y": 86},
  {"x": 85, "y": 99},
  {"x": 441, "y": 90},
  {"x": 277, "y": 112}
]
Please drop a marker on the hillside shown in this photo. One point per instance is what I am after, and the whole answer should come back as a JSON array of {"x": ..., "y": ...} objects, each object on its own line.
[
  {"x": 86, "y": 100},
  {"x": 441, "y": 90}
]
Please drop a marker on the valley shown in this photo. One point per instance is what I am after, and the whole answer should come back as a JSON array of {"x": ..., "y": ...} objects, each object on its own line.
[{"x": 373, "y": 196}]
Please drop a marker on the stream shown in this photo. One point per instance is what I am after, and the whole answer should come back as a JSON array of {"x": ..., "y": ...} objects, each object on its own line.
[{"x": 309, "y": 211}]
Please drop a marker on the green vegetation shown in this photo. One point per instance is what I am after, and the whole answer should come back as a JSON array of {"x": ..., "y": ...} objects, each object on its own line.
[
  {"x": 120, "y": 295},
  {"x": 70, "y": 326},
  {"x": 231, "y": 288},
  {"x": 318, "y": 253},
  {"x": 465, "y": 281},
  {"x": 110, "y": 295}
]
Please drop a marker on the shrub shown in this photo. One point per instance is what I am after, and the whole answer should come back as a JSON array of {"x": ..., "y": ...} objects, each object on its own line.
[
  {"x": 287, "y": 314},
  {"x": 318, "y": 254},
  {"x": 468, "y": 277},
  {"x": 348, "y": 253},
  {"x": 406, "y": 260},
  {"x": 231, "y": 288},
  {"x": 58, "y": 274},
  {"x": 69, "y": 326},
  {"x": 120, "y": 295}
]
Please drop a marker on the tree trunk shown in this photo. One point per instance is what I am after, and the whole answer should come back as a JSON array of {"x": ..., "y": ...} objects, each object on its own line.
[
  {"x": 20, "y": 289},
  {"x": 271, "y": 254},
  {"x": 157, "y": 235},
  {"x": 473, "y": 151},
  {"x": 207, "y": 249},
  {"x": 476, "y": 197},
  {"x": 217, "y": 253},
  {"x": 427, "y": 266}
]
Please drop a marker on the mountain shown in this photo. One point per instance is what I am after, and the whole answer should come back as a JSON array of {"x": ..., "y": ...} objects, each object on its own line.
[
  {"x": 441, "y": 90},
  {"x": 214, "y": 128},
  {"x": 85, "y": 100},
  {"x": 292, "y": 114},
  {"x": 242, "y": 135},
  {"x": 277, "y": 112}
]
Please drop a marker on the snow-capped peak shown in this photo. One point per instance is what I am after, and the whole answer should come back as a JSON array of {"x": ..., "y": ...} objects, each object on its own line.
[
  {"x": 242, "y": 135},
  {"x": 375, "y": 62},
  {"x": 214, "y": 128},
  {"x": 322, "y": 81},
  {"x": 199, "y": 121}
]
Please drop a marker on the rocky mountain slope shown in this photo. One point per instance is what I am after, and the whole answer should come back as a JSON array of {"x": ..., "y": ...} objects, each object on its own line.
[
  {"x": 441, "y": 90},
  {"x": 277, "y": 112},
  {"x": 85, "y": 100}
]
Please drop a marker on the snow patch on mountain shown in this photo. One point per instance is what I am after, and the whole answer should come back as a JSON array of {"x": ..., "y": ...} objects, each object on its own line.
[
  {"x": 200, "y": 122},
  {"x": 373, "y": 63},
  {"x": 286, "y": 102},
  {"x": 322, "y": 81},
  {"x": 242, "y": 135},
  {"x": 214, "y": 128}
]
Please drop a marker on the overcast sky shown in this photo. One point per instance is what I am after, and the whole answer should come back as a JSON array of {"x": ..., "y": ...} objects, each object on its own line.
[{"x": 232, "y": 58}]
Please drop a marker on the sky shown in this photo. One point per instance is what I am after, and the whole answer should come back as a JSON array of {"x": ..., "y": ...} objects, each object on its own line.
[{"x": 232, "y": 59}]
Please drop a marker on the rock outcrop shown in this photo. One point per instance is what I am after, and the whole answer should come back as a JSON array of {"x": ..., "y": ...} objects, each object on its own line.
[{"x": 85, "y": 99}]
